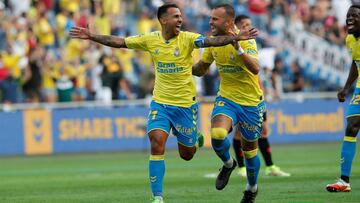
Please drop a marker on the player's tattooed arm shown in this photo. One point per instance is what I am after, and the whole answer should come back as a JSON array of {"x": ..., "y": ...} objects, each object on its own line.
[
  {"x": 108, "y": 40},
  {"x": 218, "y": 41},
  {"x": 228, "y": 39},
  {"x": 200, "y": 68}
]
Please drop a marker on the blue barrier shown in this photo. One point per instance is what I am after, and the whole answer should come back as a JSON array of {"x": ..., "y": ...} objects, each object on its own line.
[
  {"x": 44, "y": 131},
  {"x": 309, "y": 121},
  {"x": 11, "y": 134},
  {"x": 292, "y": 122}
]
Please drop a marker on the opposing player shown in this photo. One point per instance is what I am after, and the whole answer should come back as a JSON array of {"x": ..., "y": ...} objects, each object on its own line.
[
  {"x": 239, "y": 99},
  {"x": 353, "y": 112},
  {"x": 243, "y": 22},
  {"x": 174, "y": 104}
]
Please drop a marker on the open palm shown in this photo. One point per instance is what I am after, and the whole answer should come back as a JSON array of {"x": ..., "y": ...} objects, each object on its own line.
[
  {"x": 247, "y": 34},
  {"x": 79, "y": 33}
]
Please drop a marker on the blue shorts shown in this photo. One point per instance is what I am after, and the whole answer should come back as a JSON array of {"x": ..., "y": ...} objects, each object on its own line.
[
  {"x": 354, "y": 105},
  {"x": 249, "y": 118},
  {"x": 181, "y": 120}
]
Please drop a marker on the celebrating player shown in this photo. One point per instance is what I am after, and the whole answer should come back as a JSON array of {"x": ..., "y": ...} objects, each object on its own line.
[
  {"x": 174, "y": 104},
  {"x": 353, "y": 113},
  {"x": 243, "y": 22},
  {"x": 239, "y": 101}
]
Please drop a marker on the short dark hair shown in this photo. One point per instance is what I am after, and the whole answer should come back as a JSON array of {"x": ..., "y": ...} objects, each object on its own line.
[
  {"x": 163, "y": 9},
  {"x": 355, "y": 6},
  {"x": 239, "y": 18},
  {"x": 229, "y": 9}
]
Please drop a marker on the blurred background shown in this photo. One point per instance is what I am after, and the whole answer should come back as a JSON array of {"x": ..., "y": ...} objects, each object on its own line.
[
  {"x": 59, "y": 94},
  {"x": 301, "y": 47},
  {"x": 73, "y": 101}
]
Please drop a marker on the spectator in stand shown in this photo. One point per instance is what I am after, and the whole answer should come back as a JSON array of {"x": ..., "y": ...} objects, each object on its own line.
[
  {"x": 33, "y": 77},
  {"x": 297, "y": 78},
  {"x": 333, "y": 32},
  {"x": 259, "y": 13}
]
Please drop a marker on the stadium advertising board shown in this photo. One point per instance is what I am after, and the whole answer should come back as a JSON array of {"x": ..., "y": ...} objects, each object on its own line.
[
  {"x": 293, "y": 122},
  {"x": 123, "y": 128}
]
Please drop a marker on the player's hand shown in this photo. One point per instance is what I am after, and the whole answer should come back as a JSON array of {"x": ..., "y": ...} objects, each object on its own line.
[
  {"x": 80, "y": 32},
  {"x": 234, "y": 43},
  {"x": 341, "y": 95},
  {"x": 247, "y": 34}
]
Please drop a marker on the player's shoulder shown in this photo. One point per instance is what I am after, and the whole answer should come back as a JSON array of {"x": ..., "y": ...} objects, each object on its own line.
[
  {"x": 153, "y": 34},
  {"x": 188, "y": 34},
  {"x": 349, "y": 39},
  {"x": 249, "y": 42}
]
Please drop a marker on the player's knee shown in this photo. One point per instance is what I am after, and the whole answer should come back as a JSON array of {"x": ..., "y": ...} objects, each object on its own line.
[
  {"x": 187, "y": 156},
  {"x": 157, "y": 146},
  {"x": 250, "y": 154},
  {"x": 352, "y": 129},
  {"x": 218, "y": 133}
]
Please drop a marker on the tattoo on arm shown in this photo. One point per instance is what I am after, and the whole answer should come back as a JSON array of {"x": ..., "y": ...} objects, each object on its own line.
[
  {"x": 218, "y": 41},
  {"x": 108, "y": 40}
]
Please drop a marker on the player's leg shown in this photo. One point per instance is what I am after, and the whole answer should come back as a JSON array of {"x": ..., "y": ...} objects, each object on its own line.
[
  {"x": 249, "y": 122},
  {"x": 239, "y": 155},
  {"x": 156, "y": 162},
  {"x": 265, "y": 149},
  {"x": 347, "y": 155},
  {"x": 223, "y": 117},
  {"x": 184, "y": 124},
  {"x": 252, "y": 161},
  {"x": 158, "y": 127},
  {"x": 220, "y": 127}
]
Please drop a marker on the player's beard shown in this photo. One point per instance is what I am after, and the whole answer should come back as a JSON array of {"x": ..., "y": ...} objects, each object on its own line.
[{"x": 217, "y": 30}]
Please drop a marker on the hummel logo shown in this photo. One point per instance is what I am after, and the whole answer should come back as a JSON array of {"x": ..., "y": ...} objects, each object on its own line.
[{"x": 153, "y": 179}]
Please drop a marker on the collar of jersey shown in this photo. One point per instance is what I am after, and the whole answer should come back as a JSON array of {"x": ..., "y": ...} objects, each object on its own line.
[{"x": 170, "y": 40}]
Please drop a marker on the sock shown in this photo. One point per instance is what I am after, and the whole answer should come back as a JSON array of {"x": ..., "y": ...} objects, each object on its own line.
[
  {"x": 265, "y": 149},
  {"x": 156, "y": 174},
  {"x": 251, "y": 188},
  {"x": 222, "y": 149},
  {"x": 345, "y": 178},
  {"x": 252, "y": 169},
  {"x": 239, "y": 155},
  {"x": 347, "y": 156}
]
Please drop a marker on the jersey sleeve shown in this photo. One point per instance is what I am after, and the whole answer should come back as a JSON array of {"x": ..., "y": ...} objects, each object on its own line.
[
  {"x": 250, "y": 48},
  {"x": 137, "y": 42},
  {"x": 193, "y": 37},
  {"x": 348, "y": 41},
  {"x": 207, "y": 56}
]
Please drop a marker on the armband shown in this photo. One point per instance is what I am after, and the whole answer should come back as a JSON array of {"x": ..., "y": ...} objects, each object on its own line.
[{"x": 200, "y": 41}]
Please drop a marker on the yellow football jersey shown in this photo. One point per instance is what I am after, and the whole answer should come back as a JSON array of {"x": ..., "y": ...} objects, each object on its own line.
[
  {"x": 237, "y": 83},
  {"x": 174, "y": 83},
  {"x": 354, "y": 47}
]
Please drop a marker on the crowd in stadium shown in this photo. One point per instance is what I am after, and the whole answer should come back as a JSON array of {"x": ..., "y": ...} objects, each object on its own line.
[{"x": 40, "y": 63}]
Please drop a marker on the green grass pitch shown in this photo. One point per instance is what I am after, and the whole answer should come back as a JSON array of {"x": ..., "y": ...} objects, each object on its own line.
[{"x": 123, "y": 178}]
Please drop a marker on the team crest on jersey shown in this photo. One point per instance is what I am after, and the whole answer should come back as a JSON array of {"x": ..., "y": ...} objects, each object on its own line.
[
  {"x": 156, "y": 52},
  {"x": 232, "y": 57},
  {"x": 176, "y": 52}
]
